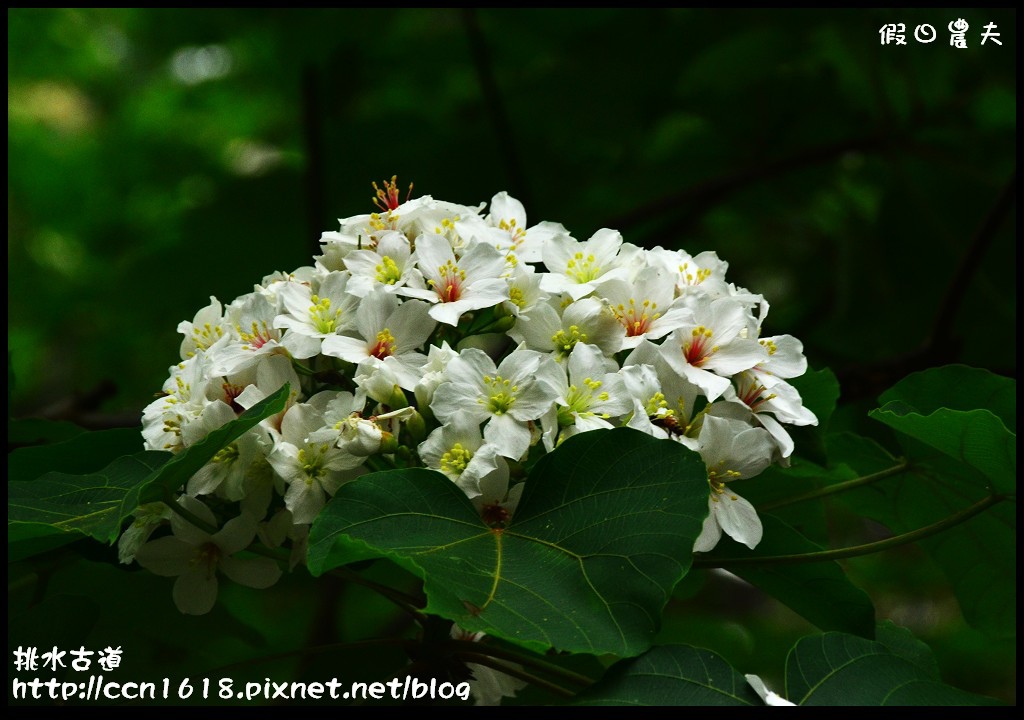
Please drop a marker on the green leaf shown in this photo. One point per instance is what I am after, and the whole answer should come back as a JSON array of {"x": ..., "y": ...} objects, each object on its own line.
[
  {"x": 838, "y": 669},
  {"x": 31, "y": 431},
  {"x": 187, "y": 463},
  {"x": 820, "y": 591},
  {"x": 964, "y": 413},
  {"x": 97, "y": 503},
  {"x": 902, "y": 642},
  {"x": 958, "y": 387},
  {"x": 819, "y": 391},
  {"x": 671, "y": 675},
  {"x": 85, "y": 452},
  {"x": 977, "y": 438},
  {"x": 92, "y": 504},
  {"x": 978, "y": 556},
  {"x": 603, "y": 532}
]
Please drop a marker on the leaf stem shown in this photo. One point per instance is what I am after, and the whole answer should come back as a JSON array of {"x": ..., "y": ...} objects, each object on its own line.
[
  {"x": 377, "y": 463},
  {"x": 856, "y": 550},
  {"x": 404, "y": 601},
  {"x": 488, "y": 661},
  {"x": 188, "y": 515},
  {"x": 464, "y": 646},
  {"x": 837, "y": 488}
]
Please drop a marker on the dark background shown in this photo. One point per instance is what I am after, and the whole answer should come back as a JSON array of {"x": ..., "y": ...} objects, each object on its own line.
[{"x": 157, "y": 157}]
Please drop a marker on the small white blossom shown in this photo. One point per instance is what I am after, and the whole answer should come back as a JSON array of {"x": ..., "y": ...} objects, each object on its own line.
[{"x": 195, "y": 557}]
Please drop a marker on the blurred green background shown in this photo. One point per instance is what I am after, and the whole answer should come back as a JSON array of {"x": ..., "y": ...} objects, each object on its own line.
[{"x": 157, "y": 157}]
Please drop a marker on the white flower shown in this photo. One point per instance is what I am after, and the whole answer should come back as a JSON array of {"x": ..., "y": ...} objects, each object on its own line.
[
  {"x": 182, "y": 402},
  {"x": 195, "y": 556},
  {"x": 388, "y": 266},
  {"x": 783, "y": 402},
  {"x": 589, "y": 320},
  {"x": 206, "y": 328},
  {"x": 307, "y": 460},
  {"x": 767, "y": 695},
  {"x": 272, "y": 372},
  {"x": 488, "y": 686},
  {"x": 664, "y": 401},
  {"x": 590, "y": 396},
  {"x": 281, "y": 527},
  {"x": 524, "y": 293},
  {"x": 227, "y": 470},
  {"x": 645, "y": 307},
  {"x": 577, "y": 268},
  {"x": 497, "y": 502},
  {"x": 506, "y": 398},
  {"x": 456, "y": 286},
  {"x": 312, "y": 317},
  {"x": 712, "y": 346},
  {"x": 509, "y": 234},
  {"x": 785, "y": 359},
  {"x": 731, "y": 450},
  {"x": 147, "y": 518},
  {"x": 701, "y": 274},
  {"x": 253, "y": 335},
  {"x": 432, "y": 371},
  {"x": 458, "y": 450},
  {"x": 387, "y": 327}
]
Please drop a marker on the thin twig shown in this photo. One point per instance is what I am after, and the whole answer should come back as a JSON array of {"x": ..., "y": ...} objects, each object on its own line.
[
  {"x": 837, "y": 488},
  {"x": 981, "y": 241},
  {"x": 312, "y": 114},
  {"x": 463, "y": 646},
  {"x": 856, "y": 550},
  {"x": 495, "y": 106},
  {"x": 488, "y": 661},
  {"x": 404, "y": 601},
  {"x": 188, "y": 515},
  {"x": 712, "y": 191}
]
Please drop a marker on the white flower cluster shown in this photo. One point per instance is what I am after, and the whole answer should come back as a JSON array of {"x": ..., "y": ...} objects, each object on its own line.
[{"x": 439, "y": 335}]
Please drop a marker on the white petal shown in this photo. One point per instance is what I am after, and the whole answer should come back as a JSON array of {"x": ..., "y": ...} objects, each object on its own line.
[
  {"x": 305, "y": 500},
  {"x": 195, "y": 592},
  {"x": 186, "y": 531},
  {"x": 511, "y": 437},
  {"x": 710, "y": 534},
  {"x": 738, "y": 519},
  {"x": 251, "y": 572},
  {"x": 167, "y": 556},
  {"x": 237, "y": 534},
  {"x": 767, "y": 695},
  {"x": 353, "y": 350}
]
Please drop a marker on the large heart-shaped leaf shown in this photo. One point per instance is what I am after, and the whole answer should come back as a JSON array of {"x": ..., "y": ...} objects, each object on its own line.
[
  {"x": 838, "y": 669},
  {"x": 97, "y": 503},
  {"x": 91, "y": 504},
  {"x": 671, "y": 675},
  {"x": 604, "y": 530},
  {"x": 964, "y": 413}
]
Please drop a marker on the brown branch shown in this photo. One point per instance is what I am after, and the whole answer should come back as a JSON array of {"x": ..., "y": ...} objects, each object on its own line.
[
  {"x": 709, "y": 192},
  {"x": 495, "y": 105},
  {"x": 868, "y": 381},
  {"x": 312, "y": 133},
  {"x": 981, "y": 241}
]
